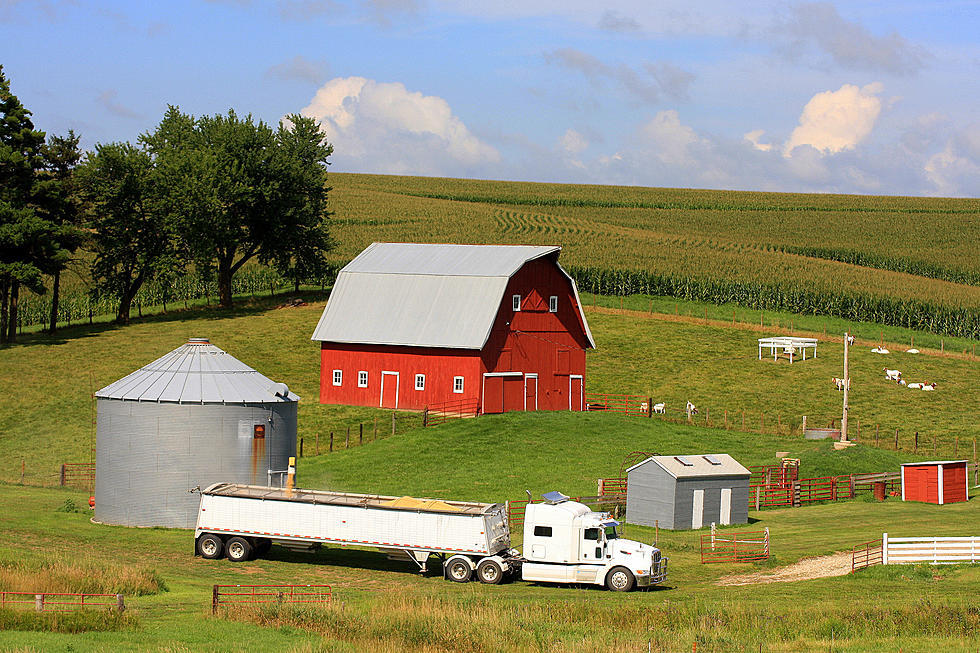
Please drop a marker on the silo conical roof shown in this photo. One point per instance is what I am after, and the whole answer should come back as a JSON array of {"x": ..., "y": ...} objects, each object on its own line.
[{"x": 198, "y": 373}]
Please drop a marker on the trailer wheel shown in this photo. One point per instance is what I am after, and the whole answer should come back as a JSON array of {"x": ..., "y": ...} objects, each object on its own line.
[
  {"x": 489, "y": 572},
  {"x": 619, "y": 579},
  {"x": 210, "y": 546},
  {"x": 238, "y": 549},
  {"x": 459, "y": 570}
]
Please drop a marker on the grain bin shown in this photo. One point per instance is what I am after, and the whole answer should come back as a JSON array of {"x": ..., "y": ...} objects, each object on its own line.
[{"x": 194, "y": 417}]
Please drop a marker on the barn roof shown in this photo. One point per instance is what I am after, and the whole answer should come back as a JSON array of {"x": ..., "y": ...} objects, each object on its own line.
[
  {"x": 697, "y": 465},
  {"x": 426, "y": 295},
  {"x": 197, "y": 373}
]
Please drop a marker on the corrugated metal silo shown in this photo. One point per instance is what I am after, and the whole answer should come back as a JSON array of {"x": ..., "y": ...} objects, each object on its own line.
[{"x": 194, "y": 417}]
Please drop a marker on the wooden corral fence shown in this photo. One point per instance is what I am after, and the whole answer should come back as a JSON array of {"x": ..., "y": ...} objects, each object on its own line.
[
  {"x": 937, "y": 550},
  {"x": 867, "y": 482},
  {"x": 764, "y": 475},
  {"x": 734, "y": 547},
  {"x": 866, "y": 554},
  {"x": 77, "y": 474},
  {"x": 626, "y": 404},
  {"x": 261, "y": 594},
  {"x": 61, "y": 601},
  {"x": 799, "y": 492},
  {"x": 447, "y": 410}
]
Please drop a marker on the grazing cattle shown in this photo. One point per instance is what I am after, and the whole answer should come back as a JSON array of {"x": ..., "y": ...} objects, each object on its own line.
[
  {"x": 893, "y": 375},
  {"x": 840, "y": 383},
  {"x": 691, "y": 409},
  {"x": 928, "y": 387},
  {"x": 879, "y": 350},
  {"x": 850, "y": 340},
  {"x": 912, "y": 351},
  {"x": 915, "y": 386},
  {"x": 660, "y": 408}
]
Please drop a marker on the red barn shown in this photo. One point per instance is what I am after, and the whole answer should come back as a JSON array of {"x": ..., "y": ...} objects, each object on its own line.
[
  {"x": 412, "y": 325},
  {"x": 936, "y": 481}
]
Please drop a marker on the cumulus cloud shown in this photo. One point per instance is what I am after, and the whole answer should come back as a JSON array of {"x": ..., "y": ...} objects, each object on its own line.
[
  {"x": 573, "y": 142},
  {"x": 754, "y": 136},
  {"x": 833, "y": 121},
  {"x": 299, "y": 69},
  {"x": 650, "y": 84},
  {"x": 818, "y": 26},
  {"x": 384, "y": 127}
]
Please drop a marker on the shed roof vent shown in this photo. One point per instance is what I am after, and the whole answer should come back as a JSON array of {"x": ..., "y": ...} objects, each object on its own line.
[
  {"x": 712, "y": 459},
  {"x": 684, "y": 461}
]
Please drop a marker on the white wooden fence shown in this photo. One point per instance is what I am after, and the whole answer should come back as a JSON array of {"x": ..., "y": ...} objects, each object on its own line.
[{"x": 937, "y": 550}]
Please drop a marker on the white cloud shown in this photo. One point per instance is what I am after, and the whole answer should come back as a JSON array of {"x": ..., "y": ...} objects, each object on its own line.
[
  {"x": 833, "y": 121},
  {"x": 754, "y": 136},
  {"x": 668, "y": 139},
  {"x": 299, "y": 69},
  {"x": 384, "y": 127},
  {"x": 573, "y": 142}
]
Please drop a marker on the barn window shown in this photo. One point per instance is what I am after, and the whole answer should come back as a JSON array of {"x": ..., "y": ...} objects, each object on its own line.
[
  {"x": 553, "y": 304},
  {"x": 420, "y": 381},
  {"x": 517, "y": 302},
  {"x": 362, "y": 379},
  {"x": 542, "y": 531},
  {"x": 458, "y": 384},
  {"x": 338, "y": 377}
]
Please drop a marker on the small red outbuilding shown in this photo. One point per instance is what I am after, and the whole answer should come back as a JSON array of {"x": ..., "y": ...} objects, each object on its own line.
[{"x": 935, "y": 481}]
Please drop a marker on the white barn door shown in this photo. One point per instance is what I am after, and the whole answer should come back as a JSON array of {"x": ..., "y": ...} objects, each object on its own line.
[
  {"x": 726, "y": 507},
  {"x": 697, "y": 511}
]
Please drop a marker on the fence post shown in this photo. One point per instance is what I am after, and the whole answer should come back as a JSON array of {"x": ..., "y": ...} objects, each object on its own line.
[
  {"x": 425, "y": 417},
  {"x": 317, "y": 443},
  {"x": 214, "y": 600},
  {"x": 650, "y": 406},
  {"x": 375, "y": 428},
  {"x": 331, "y": 441},
  {"x": 347, "y": 439},
  {"x": 796, "y": 494},
  {"x": 884, "y": 548},
  {"x": 62, "y": 474},
  {"x": 915, "y": 446},
  {"x": 301, "y": 447},
  {"x": 39, "y": 602},
  {"x": 392, "y": 422},
  {"x": 762, "y": 422},
  {"x": 804, "y": 424},
  {"x": 876, "y": 435},
  {"x": 767, "y": 541},
  {"x": 896, "y": 439},
  {"x": 758, "y": 491},
  {"x": 120, "y": 603},
  {"x": 360, "y": 435}
]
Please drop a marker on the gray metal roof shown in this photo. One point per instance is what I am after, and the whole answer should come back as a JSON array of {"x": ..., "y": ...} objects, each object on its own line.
[
  {"x": 697, "y": 465},
  {"x": 425, "y": 295},
  {"x": 197, "y": 373}
]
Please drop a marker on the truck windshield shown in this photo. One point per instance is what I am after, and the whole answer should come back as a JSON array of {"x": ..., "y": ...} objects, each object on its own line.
[{"x": 611, "y": 533}]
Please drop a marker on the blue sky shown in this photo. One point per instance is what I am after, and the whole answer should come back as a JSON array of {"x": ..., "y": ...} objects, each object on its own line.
[{"x": 868, "y": 97}]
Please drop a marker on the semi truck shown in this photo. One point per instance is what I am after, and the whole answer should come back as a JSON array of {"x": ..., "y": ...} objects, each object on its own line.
[{"x": 564, "y": 541}]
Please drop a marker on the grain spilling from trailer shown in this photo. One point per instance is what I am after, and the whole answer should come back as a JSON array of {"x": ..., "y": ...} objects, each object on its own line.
[
  {"x": 935, "y": 481},
  {"x": 691, "y": 491},
  {"x": 193, "y": 417}
]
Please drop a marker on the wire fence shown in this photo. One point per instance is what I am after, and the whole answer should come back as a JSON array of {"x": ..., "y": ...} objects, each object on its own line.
[
  {"x": 228, "y": 595},
  {"x": 61, "y": 601}
]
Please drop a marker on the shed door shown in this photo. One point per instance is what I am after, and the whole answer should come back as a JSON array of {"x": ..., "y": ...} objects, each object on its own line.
[
  {"x": 725, "y": 518},
  {"x": 530, "y": 392},
  {"x": 697, "y": 510},
  {"x": 513, "y": 393},
  {"x": 576, "y": 394},
  {"x": 954, "y": 483}
]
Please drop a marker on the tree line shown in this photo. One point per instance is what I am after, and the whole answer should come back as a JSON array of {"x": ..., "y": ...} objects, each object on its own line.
[{"x": 209, "y": 193}]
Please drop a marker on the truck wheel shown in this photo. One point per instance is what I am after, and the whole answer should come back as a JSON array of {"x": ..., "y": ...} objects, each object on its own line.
[
  {"x": 489, "y": 572},
  {"x": 210, "y": 546},
  {"x": 459, "y": 570},
  {"x": 619, "y": 579},
  {"x": 238, "y": 549}
]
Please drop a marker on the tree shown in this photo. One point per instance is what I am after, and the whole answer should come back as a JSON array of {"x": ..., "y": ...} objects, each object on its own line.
[
  {"x": 236, "y": 190},
  {"x": 25, "y": 238},
  {"x": 57, "y": 198},
  {"x": 131, "y": 238}
]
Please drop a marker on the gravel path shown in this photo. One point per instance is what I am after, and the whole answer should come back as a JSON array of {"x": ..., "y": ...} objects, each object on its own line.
[{"x": 838, "y": 564}]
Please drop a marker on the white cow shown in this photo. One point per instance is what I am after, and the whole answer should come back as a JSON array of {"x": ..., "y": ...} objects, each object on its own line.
[{"x": 893, "y": 375}]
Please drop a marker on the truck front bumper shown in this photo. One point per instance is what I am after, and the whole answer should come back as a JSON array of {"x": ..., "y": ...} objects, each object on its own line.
[{"x": 657, "y": 575}]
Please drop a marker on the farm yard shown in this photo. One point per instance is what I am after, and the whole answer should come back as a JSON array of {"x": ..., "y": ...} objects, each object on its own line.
[{"x": 653, "y": 348}]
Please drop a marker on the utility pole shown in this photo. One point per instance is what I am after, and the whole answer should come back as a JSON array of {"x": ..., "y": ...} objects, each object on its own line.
[{"x": 847, "y": 387}]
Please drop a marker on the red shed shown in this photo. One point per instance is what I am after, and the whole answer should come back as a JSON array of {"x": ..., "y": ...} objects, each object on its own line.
[
  {"x": 414, "y": 325},
  {"x": 936, "y": 481}
]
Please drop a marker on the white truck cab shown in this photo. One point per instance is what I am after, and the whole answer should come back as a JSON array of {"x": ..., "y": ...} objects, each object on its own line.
[{"x": 566, "y": 542}]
